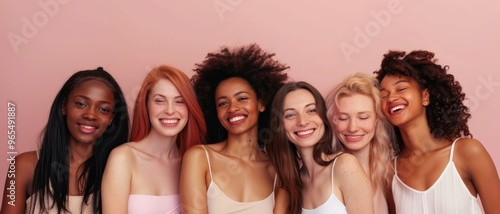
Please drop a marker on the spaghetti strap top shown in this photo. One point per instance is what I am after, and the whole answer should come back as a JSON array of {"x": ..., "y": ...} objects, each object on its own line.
[
  {"x": 333, "y": 204},
  {"x": 447, "y": 195},
  {"x": 219, "y": 203},
  {"x": 74, "y": 203}
]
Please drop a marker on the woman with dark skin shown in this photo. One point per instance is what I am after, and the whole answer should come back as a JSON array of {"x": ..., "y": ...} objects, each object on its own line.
[
  {"x": 234, "y": 174},
  {"x": 425, "y": 104},
  {"x": 88, "y": 118}
]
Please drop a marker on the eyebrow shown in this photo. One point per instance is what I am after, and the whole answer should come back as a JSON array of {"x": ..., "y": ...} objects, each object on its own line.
[
  {"x": 310, "y": 104},
  {"x": 397, "y": 82},
  {"x": 357, "y": 113},
  {"x": 235, "y": 94},
  {"x": 163, "y": 96},
  {"x": 88, "y": 98}
]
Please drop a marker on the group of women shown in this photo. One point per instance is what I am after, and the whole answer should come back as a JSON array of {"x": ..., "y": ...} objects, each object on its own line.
[{"x": 239, "y": 137}]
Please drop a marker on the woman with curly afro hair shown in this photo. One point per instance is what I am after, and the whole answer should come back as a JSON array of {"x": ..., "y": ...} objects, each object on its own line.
[
  {"x": 438, "y": 169},
  {"x": 233, "y": 174}
]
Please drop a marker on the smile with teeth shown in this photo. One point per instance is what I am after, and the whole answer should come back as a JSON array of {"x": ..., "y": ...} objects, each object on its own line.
[
  {"x": 87, "y": 127},
  {"x": 236, "y": 119},
  {"x": 169, "y": 121},
  {"x": 397, "y": 108},
  {"x": 306, "y": 132}
]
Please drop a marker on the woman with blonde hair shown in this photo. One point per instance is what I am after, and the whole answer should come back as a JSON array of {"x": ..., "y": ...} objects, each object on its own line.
[{"x": 361, "y": 129}]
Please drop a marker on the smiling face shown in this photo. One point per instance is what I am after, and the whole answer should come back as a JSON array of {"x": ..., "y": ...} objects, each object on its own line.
[
  {"x": 402, "y": 99},
  {"x": 237, "y": 106},
  {"x": 89, "y": 111},
  {"x": 303, "y": 126},
  {"x": 356, "y": 121},
  {"x": 167, "y": 111}
]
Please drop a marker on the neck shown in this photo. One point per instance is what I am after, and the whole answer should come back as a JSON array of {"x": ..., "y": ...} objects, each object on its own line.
[
  {"x": 158, "y": 145},
  {"x": 80, "y": 152},
  {"x": 417, "y": 137},
  {"x": 309, "y": 166},
  {"x": 245, "y": 145}
]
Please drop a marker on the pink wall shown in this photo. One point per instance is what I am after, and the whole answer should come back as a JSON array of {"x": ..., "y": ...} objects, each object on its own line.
[{"x": 43, "y": 42}]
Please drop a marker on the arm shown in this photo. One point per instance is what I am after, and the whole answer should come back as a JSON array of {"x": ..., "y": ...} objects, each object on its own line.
[
  {"x": 18, "y": 182},
  {"x": 482, "y": 173},
  {"x": 193, "y": 184},
  {"x": 116, "y": 181},
  {"x": 354, "y": 184},
  {"x": 281, "y": 200}
]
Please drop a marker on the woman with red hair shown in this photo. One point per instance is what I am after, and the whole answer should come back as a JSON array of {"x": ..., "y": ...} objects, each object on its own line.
[{"x": 142, "y": 176}]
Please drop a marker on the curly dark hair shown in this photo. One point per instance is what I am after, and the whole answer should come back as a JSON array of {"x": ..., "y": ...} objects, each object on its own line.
[
  {"x": 249, "y": 62},
  {"x": 447, "y": 116}
]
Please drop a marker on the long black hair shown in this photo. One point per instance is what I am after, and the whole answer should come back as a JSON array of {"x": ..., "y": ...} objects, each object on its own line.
[{"x": 51, "y": 176}]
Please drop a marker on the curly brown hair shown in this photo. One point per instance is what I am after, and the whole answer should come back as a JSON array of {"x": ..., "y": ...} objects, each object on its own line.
[
  {"x": 447, "y": 115},
  {"x": 249, "y": 62}
]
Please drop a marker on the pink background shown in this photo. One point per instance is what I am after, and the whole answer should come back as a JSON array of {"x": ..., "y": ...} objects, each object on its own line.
[{"x": 43, "y": 42}]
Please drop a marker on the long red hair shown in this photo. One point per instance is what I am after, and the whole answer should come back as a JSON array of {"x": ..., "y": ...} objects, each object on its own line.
[{"x": 195, "y": 131}]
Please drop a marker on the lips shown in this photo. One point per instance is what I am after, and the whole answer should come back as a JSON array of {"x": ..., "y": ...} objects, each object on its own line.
[
  {"x": 87, "y": 129},
  {"x": 237, "y": 119},
  {"x": 169, "y": 122},
  {"x": 397, "y": 108},
  {"x": 305, "y": 133},
  {"x": 353, "y": 138}
]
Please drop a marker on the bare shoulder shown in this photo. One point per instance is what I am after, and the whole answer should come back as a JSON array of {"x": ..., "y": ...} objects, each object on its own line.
[
  {"x": 25, "y": 166},
  {"x": 347, "y": 159},
  {"x": 194, "y": 164},
  {"x": 27, "y": 159},
  {"x": 124, "y": 149},
  {"x": 195, "y": 153},
  {"x": 19, "y": 179},
  {"x": 122, "y": 154},
  {"x": 469, "y": 148},
  {"x": 347, "y": 163}
]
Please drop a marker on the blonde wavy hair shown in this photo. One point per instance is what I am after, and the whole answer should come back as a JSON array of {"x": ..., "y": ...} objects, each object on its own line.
[{"x": 381, "y": 146}]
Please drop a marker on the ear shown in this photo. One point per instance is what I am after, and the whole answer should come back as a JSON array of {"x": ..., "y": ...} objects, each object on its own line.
[
  {"x": 426, "y": 97},
  {"x": 261, "y": 106}
]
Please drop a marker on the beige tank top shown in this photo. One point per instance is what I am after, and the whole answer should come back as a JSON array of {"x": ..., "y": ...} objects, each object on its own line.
[
  {"x": 219, "y": 203},
  {"x": 73, "y": 203}
]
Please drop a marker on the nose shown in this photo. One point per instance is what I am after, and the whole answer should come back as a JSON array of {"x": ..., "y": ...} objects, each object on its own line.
[
  {"x": 233, "y": 107},
  {"x": 353, "y": 126},
  {"x": 392, "y": 97},
  {"x": 169, "y": 108},
  {"x": 302, "y": 120},
  {"x": 90, "y": 114}
]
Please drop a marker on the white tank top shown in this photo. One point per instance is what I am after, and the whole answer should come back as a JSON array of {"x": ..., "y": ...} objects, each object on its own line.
[
  {"x": 447, "y": 195},
  {"x": 332, "y": 205}
]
